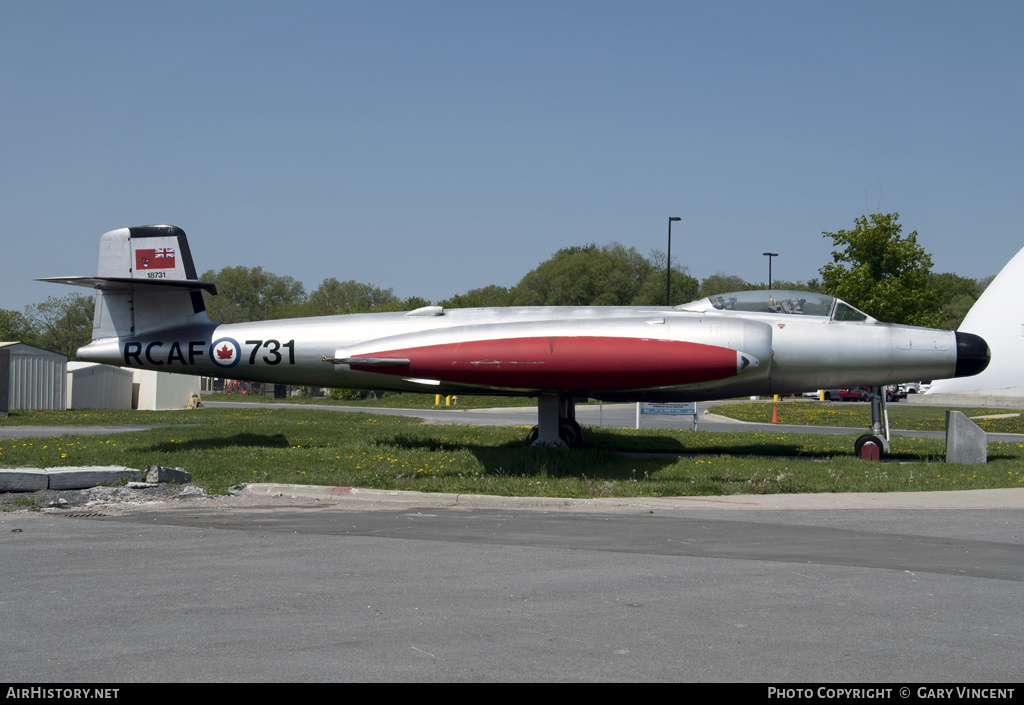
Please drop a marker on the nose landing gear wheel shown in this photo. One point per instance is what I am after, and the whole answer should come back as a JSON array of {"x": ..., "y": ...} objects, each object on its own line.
[{"x": 867, "y": 438}]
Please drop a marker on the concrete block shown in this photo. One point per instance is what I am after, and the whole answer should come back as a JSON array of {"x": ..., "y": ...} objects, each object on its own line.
[
  {"x": 966, "y": 442},
  {"x": 83, "y": 478},
  {"x": 23, "y": 480},
  {"x": 158, "y": 473}
]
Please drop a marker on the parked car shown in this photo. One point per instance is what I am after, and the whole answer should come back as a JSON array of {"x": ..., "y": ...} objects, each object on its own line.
[
  {"x": 892, "y": 393},
  {"x": 830, "y": 394},
  {"x": 854, "y": 394}
]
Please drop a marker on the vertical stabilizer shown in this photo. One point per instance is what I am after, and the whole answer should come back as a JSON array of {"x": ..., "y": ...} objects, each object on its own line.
[
  {"x": 996, "y": 316},
  {"x": 145, "y": 281}
]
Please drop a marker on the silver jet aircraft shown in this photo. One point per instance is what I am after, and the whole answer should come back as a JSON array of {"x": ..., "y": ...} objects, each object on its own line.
[{"x": 150, "y": 314}]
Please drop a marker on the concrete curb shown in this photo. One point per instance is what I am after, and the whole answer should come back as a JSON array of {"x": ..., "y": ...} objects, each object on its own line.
[{"x": 1012, "y": 498}]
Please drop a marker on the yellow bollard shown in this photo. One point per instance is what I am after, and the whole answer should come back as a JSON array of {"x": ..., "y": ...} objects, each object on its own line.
[
  {"x": 448, "y": 400},
  {"x": 437, "y": 400},
  {"x": 776, "y": 398}
]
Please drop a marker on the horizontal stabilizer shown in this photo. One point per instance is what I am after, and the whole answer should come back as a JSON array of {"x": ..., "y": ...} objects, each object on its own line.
[{"x": 131, "y": 284}]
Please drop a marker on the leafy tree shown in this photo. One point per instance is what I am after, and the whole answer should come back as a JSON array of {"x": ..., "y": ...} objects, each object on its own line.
[
  {"x": 414, "y": 302},
  {"x": 652, "y": 291},
  {"x": 246, "y": 294},
  {"x": 409, "y": 304},
  {"x": 721, "y": 283},
  {"x": 334, "y": 297},
  {"x": 585, "y": 276},
  {"x": 954, "y": 296},
  {"x": 487, "y": 296},
  {"x": 62, "y": 324},
  {"x": 15, "y": 327},
  {"x": 877, "y": 270},
  {"x": 809, "y": 285}
]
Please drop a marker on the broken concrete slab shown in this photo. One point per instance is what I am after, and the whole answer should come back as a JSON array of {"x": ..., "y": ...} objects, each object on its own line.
[
  {"x": 80, "y": 478},
  {"x": 158, "y": 473},
  {"x": 24, "y": 480},
  {"x": 966, "y": 442}
]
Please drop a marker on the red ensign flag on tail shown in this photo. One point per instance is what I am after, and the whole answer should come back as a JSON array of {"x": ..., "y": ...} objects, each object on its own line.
[{"x": 159, "y": 258}]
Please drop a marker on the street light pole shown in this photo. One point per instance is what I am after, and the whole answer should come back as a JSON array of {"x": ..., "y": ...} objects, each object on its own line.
[
  {"x": 769, "y": 255},
  {"x": 668, "y": 265}
]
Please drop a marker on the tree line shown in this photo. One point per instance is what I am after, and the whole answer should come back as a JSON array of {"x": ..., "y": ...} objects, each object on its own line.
[{"x": 874, "y": 267}]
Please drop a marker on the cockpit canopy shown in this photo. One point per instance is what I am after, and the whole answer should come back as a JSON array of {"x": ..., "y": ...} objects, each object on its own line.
[{"x": 802, "y": 303}]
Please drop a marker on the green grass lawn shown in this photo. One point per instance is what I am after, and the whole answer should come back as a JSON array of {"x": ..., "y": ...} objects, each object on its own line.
[
  {"x": 907, "y": 417},
  {"x": 388, "y": 400},
  {"x": 226, "y": 447},
  {"x": 801, "y": 413}
]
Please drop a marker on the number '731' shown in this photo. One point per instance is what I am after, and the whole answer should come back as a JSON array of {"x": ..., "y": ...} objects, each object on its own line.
[{"x": 273, "y": 351}]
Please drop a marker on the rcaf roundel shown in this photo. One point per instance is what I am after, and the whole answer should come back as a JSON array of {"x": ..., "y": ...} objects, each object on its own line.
[{"x": 225, "y": 352}]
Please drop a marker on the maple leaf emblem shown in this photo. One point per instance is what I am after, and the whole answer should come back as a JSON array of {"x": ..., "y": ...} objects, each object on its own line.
[{"x": 225, "y": 352}]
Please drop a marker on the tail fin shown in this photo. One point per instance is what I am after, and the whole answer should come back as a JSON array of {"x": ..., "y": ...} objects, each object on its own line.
[{"x": 146, "y": 281}]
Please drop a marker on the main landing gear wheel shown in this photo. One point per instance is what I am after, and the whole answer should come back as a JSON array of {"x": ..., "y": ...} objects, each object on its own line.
[
  {"x": 556, "y": 422},
  {"x": 569, "y": 431}
]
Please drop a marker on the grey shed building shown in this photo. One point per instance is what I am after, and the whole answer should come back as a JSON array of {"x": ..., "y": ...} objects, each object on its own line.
[
  {"x": 95, "y": 386},
  {"x": 32, "y": 378}
]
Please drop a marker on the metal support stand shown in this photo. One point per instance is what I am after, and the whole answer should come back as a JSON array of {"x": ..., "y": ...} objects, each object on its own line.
[{"x": 556, "y": 422}]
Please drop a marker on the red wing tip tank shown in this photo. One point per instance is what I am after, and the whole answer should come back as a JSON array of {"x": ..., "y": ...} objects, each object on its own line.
[{"x": 150, "y": 314}]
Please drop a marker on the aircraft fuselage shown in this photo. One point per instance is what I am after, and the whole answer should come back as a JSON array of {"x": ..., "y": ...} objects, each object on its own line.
[
  {"x": 613, "y": 353},
  {"x": 151, "y": 314}
]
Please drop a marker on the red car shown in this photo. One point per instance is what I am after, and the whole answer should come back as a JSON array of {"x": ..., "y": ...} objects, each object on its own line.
[{"x": 863, "y": 394}]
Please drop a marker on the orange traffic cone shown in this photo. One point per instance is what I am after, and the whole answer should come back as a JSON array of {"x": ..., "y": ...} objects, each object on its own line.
[{"x": 775, "y": 415}]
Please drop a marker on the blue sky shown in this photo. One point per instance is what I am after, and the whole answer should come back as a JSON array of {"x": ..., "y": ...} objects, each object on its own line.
[{"x": 434, "y": 146}]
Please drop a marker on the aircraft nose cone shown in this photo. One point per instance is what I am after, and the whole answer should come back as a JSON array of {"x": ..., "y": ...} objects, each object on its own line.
[{"x": 972, "y": 354}]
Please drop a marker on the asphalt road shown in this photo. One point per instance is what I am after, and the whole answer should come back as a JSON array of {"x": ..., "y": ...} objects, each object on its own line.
[
  {"x": 323, "y": 589},
  {"x": 303, "y": 584}
]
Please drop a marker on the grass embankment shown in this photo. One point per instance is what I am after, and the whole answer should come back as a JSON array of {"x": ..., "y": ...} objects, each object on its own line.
[{"x": 226, "y": 447}]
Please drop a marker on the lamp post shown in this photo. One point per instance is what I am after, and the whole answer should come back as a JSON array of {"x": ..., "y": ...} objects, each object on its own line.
[
  {"x": 769, "y": 255},
  {"x": 668, "y": 265}
]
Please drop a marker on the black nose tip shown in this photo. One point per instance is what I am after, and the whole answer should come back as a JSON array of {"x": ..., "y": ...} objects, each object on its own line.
[{"x": 972, "y": 354}]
